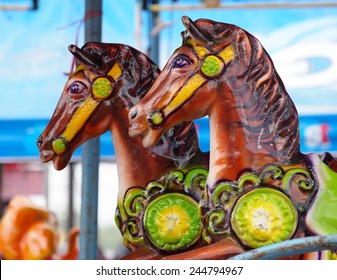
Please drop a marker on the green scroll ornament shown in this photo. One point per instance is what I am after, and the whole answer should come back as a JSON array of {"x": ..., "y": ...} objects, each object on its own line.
[{"x": 179, "y": 210}]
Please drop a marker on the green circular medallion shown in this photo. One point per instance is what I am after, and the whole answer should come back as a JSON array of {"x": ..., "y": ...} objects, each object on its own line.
[
  {"x": 155, "y": 118},
  {"x": 102, "y": 88},
  {"x": 172, "y": 222},
  {"x": 212, "y": 66},
  {"x": 264, "y": 216},
  {"x": 59, "y": 146}
]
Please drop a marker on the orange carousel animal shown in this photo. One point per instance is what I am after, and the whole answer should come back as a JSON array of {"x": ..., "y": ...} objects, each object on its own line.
[
  {"x": 260, "y": 189},
  {"x": 29, "y": 232}
]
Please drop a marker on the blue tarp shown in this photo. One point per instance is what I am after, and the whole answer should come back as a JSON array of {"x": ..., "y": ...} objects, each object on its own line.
[{"x": 18, "y": 137}]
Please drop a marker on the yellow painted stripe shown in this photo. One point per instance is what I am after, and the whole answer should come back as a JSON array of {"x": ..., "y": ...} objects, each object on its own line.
[
  {"x": 227, "y": 54},
  {"x": 197, "y": 80},
  {"x": 201, "y": 51},
  {"x": 79, "y": 118},
  {"x": 85, "y": 110},
  {"x": 78, "y": 69},
  {"x": 115, "y": 71},
  {"x": 184, "y": 93}
]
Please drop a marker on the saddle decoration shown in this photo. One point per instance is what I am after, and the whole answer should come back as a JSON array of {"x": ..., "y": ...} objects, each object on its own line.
[
  {"x": 102, "y": 87},
  {"x": 179, "y": 211}
]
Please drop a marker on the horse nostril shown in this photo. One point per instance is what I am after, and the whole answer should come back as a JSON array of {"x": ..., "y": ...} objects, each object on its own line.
[
  {"x": 133, "y": 114},
  {"x": 39, "y": 141}
]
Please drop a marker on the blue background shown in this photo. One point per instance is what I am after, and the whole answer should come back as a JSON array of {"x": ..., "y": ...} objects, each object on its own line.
[{"x": 34, "y": 59}]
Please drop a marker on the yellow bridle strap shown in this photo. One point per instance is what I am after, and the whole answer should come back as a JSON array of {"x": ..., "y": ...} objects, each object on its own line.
[
  {"x": 78, "y": 69},
  {"x": 201, "y": 51},
  {"x": 184, "y": 93},
  {"x": 79, "y": 118},
  {"x": 83, "y": 112},
  {"x": 196, "y": 81},
  {"x": 227, "y": 54},
  {"x": 115, "y": 71}
]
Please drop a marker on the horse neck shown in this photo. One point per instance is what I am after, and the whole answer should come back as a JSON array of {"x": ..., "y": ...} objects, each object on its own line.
[
  {"x": 136, "y": 165},
  {"x": 228, "y": 146}
]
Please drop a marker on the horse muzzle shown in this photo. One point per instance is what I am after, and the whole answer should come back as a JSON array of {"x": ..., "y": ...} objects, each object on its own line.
[{"x": 45, "y": 154}]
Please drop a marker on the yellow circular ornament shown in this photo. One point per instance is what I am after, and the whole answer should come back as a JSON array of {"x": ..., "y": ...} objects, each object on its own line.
[{"x": 102, "y": 88}]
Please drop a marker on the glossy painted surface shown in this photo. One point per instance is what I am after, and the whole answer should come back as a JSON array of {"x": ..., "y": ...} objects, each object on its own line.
[
  {"x": 321, "y": 217},
  {"x": 260, "y": 188},
  {"x": 253, "y": 121},
  {"x": 108, "y": 81}
]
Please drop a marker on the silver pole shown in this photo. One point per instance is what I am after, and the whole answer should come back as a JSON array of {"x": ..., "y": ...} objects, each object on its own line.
[{"x": 90, "y": 154}]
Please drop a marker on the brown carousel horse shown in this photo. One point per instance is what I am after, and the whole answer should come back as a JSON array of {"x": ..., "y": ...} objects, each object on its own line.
[
  {"x": 222, "y": 71},
  {"x": 108, "y": 81},
  {"x": 256, "y": 169}
]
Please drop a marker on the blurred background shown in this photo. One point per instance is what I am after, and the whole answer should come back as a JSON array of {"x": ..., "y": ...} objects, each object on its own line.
[{"x": 300, "y": 36}]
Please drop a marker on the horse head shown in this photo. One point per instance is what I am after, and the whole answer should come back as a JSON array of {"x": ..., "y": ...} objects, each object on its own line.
[
  {"x": 108, "y": 81},
  {"x": 222, "y": 71},
  {"x": 89, "y": 89}
]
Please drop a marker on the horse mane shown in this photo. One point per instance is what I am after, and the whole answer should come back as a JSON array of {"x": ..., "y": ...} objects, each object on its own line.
[
  {"x": 268, "y": 114},
  {"x": 180, "y": 142}
]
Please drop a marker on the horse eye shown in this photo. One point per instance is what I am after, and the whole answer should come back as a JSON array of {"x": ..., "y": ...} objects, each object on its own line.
[
  {"x": 76, "y": 88},
  {"x": 181, "y": 61}
]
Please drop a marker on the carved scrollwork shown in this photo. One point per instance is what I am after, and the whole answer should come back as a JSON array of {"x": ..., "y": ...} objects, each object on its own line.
[
  {"x": 190, "y": 208},
  {"x": 134, "y": 202},
  {"x": 272, "y": 175},
  {"x": 197, "y": 178},
  {"x": 221, "y": 201},
  {"x": 299, "y": 176},
  {"x": 176, "y": 197}
]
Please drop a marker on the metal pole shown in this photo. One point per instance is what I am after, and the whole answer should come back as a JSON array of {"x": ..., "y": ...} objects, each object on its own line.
[
  {"x": 138, "y": 26},
  {"x": 154, "y": 40},
  {"x": 71, "y": 196},
  {"x": 90, "y": 154},
  {"x": 291, "y": 247}
]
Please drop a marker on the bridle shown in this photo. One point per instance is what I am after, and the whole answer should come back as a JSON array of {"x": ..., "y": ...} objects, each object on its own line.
[
  {"x": 212, "y": 65},
  {"x": 102, "y": 88}
]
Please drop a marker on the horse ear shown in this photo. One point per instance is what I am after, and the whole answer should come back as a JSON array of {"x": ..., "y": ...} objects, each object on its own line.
[
  {"x": 193, "y": 31},
  {"x": 244, "y": 46},
  {"x": 84, "y": 57}
]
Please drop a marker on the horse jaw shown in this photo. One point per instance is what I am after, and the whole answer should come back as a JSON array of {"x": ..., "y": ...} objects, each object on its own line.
[
  {"x": 59, "y": 162},
  {"x": 151, "y": 138}
]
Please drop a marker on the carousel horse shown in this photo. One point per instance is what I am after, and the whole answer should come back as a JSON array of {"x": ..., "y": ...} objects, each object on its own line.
[
  {"x": 29, "y": 232},
  {"x": 260, "y": 189},
  {"x": 162, "y": 184}
]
